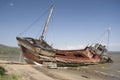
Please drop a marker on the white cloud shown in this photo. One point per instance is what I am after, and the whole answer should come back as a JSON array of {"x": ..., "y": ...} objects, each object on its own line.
[
  {"x": 114, "y": 47},
  {"x": 69, "y": 47}
]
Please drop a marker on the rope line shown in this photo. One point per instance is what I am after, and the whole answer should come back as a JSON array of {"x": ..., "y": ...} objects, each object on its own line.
[{"x": 31, "y": 25}]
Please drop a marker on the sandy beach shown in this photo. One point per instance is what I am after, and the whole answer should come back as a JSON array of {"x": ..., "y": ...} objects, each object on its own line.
[{"x": 34, "y": 72}]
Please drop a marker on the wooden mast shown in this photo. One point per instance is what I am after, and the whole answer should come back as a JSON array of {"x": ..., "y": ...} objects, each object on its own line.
[{"x": 47, "y": 22}]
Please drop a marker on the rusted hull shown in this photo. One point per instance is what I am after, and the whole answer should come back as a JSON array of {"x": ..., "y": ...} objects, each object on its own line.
[
  {"x": 84, "y": 55},
  {"x": 78, "y": 57},
  {"x": 60, "y": 57},
  {"x": 29, "y": 44},
  {"x": 30, "y": 56},
  {"x": 60, "y": 60}
]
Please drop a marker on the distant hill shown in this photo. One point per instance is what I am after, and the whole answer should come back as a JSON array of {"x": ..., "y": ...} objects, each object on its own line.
[{"x": 8, "y": 50}]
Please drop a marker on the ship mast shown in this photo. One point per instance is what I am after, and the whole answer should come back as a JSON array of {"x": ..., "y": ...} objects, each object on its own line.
[{"x": 47, "y": 22}]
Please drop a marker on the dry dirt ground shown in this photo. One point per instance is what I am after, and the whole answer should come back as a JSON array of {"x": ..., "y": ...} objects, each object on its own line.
[{"x": 34, "y": 72}]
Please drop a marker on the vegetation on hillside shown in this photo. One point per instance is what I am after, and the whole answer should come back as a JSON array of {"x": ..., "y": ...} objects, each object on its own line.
[{"x": 8, "y": 50}]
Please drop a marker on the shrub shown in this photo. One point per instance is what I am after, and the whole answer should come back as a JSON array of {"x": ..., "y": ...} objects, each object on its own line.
[{"x": 2, "y": 70}]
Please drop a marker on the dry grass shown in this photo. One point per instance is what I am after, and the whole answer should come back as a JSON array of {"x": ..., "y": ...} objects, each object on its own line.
[{"x": 10, "y": 77}]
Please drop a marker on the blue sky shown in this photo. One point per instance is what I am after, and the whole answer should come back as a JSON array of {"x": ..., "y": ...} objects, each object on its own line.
[{"x": 74, "y": 23}]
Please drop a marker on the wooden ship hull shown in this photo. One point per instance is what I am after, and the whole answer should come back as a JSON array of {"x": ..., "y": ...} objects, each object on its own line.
[{"x": 40, "y": 52}]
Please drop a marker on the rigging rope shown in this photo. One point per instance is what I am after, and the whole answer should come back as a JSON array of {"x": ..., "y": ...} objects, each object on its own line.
[
  {"x": 31, "y": 25},
  {"x": 38, "y": 34}
]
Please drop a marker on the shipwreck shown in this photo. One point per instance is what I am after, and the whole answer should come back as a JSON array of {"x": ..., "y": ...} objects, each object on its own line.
[{"x": 38, "y": 51}]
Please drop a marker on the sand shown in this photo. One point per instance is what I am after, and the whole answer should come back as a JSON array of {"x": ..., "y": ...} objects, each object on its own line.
[{"x": 34, "y": 72}]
